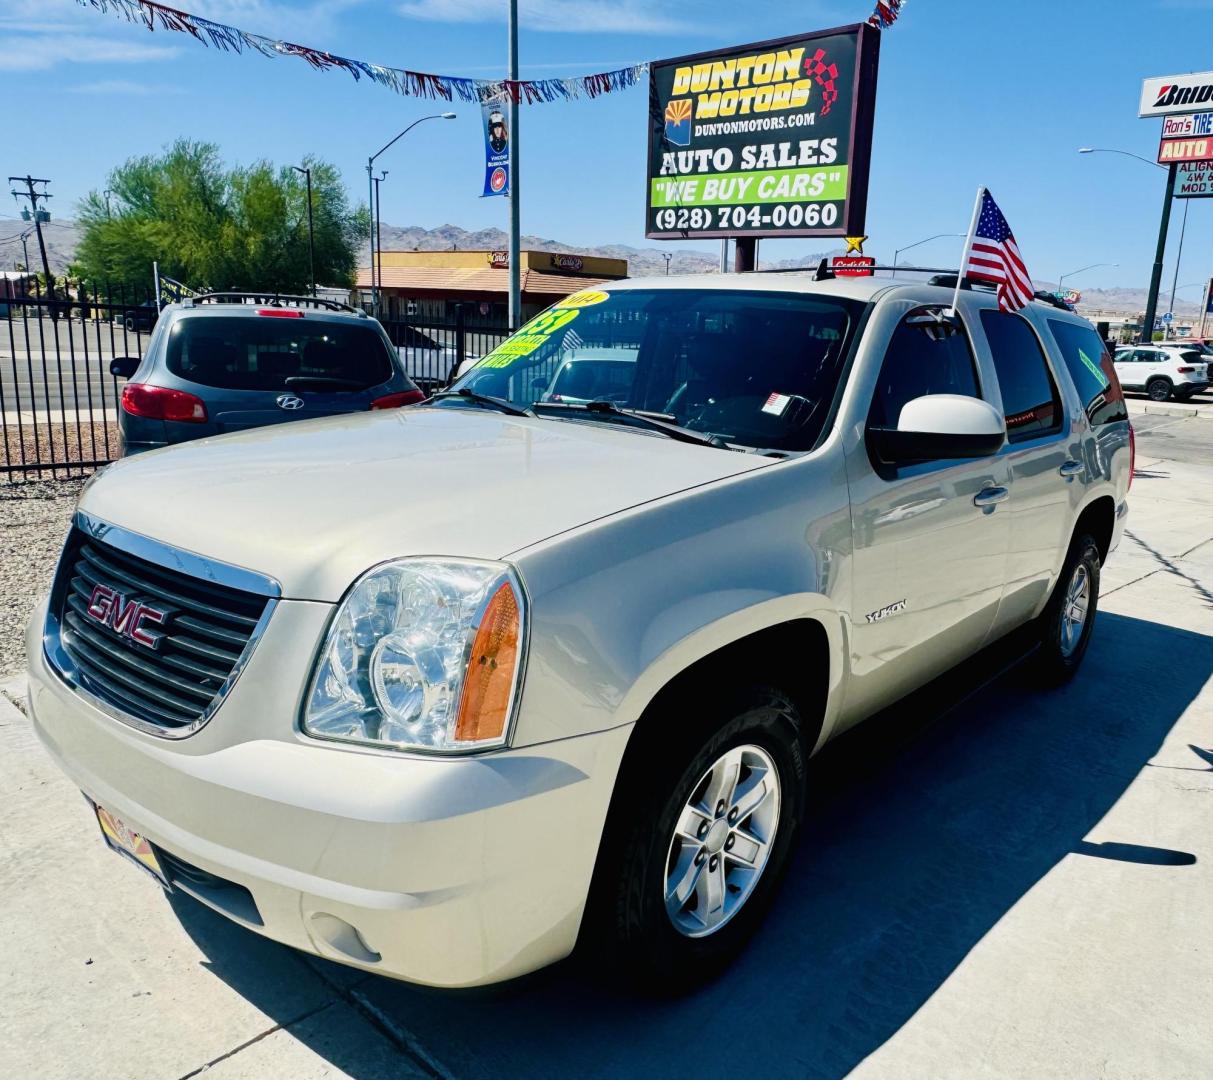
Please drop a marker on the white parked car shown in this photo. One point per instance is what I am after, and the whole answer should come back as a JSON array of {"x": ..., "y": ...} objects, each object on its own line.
[
  {"x": 441, "y": 692},
  {"x": 1163, "y": 371}
]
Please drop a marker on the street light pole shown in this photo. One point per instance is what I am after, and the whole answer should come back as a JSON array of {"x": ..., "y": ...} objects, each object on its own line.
[
  {"x": 377, "y": 267},
  {"x": 667, "y": 256},
  {"x": 515, "y": 307},
  {"x": 311, "y": 235},
  {"x": 937, "y": 236},
  {"x": 370, "y": 191}
]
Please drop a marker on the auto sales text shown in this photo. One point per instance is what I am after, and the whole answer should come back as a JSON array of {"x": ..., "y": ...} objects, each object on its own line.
[{"x": 757, "y": 156}]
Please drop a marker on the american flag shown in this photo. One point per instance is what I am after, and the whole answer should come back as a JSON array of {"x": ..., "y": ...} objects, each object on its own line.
[{"x": 994, "y": 257}]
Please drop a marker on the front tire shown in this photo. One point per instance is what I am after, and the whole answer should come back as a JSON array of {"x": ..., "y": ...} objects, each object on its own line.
[
  {"x": 1068, "y": 620},
  {"x": 705, "y": 818}
]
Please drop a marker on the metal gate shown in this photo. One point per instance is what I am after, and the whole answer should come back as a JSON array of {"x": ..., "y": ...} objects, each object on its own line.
[{"x": 58, "y": 401}]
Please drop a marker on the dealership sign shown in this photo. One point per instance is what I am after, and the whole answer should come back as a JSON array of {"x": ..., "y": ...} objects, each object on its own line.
[
  {"x": 771, "y": 139},
  {"x": 1169, "y": 95},
  {"x": 1194, "y": 180}
]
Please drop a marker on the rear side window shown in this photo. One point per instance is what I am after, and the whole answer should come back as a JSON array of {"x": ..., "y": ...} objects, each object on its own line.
[
  {"x": 1029, "y": 395},
  {"x": 1090, "y": 367},
  {"x": 261, "y": 353},
  {"x": 922, "y": 360}
]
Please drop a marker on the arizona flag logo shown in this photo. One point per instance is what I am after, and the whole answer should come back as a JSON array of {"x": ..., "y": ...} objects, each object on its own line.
[{"x": 678, "y": 122}]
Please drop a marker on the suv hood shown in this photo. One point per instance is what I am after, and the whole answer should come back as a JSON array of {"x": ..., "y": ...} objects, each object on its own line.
[{"x": 316, "y": 503}]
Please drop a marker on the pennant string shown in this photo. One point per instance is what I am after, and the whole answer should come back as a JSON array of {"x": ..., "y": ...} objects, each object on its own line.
[{"x": 421, "y": 84}]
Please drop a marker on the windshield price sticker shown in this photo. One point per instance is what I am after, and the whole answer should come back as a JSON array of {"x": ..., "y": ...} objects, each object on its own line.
[
  {"x": 771, "y": 139},
  {"x": 533, "y": 336}
]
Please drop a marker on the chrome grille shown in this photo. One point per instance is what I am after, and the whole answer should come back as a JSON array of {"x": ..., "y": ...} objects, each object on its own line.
[{"x": 171, "y": 675}]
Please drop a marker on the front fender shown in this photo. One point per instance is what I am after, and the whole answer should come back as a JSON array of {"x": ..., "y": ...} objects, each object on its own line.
[{"x": 622, "y": 606}]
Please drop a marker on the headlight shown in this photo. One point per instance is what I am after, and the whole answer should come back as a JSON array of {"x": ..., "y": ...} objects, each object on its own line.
[{"x": 423, "y": 654}]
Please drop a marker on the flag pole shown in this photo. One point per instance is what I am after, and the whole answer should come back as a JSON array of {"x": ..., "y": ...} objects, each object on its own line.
[{"x": 964, "y": 255}]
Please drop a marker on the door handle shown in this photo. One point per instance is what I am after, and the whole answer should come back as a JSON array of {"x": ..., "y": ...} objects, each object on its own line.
[
  {"x": 1072, "y": 468},
  {"x": 991, "y": 496}
]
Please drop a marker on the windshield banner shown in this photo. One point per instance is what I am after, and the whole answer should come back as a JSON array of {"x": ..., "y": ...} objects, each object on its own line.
[
  {"x": 771, "y": 139},
  {"x": 496, "y": 149}
]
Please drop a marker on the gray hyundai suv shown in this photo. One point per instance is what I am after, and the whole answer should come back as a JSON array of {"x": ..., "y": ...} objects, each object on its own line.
[{"x": 228, "y": 361}]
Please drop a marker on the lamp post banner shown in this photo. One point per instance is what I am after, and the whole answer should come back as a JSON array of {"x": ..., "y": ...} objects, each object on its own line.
[
  {"x": 496, "y": 148},
  {"x": 769, "y": 139}
]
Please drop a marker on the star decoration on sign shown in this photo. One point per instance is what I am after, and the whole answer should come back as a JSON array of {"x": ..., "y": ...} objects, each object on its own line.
[{"x": 855, "y": 244}]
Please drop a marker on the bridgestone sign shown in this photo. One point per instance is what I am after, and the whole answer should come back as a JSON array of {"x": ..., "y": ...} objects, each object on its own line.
[
  {"x": 1167, "y": 95},
  {"x": 770, "y": 139}
]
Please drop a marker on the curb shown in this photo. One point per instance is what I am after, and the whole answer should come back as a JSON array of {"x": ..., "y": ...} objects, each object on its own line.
[{"x": 1152, "y": 408}]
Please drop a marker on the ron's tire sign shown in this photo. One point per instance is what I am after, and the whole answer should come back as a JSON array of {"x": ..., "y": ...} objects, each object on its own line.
[{"x": 769, "y": 139}]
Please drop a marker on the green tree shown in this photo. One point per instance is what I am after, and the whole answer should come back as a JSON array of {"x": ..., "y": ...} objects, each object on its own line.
[{"x": 215, "y": 227}]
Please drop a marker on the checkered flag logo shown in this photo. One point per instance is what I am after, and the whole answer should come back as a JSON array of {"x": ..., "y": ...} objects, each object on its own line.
[{"x": 826, "y": 76}]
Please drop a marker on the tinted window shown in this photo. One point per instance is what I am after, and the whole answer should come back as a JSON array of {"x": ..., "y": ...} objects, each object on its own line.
[
  {"x": 1029, "y": 396},
  {"x": 759, "y": 369},
  {"x": 921, "y": 361},
  {"x": 1090, "y": 367},
  {"x": 263, "y": 353}
]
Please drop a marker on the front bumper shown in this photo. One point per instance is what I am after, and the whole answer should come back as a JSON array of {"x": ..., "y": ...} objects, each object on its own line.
[{"x": 445, "y": 871}]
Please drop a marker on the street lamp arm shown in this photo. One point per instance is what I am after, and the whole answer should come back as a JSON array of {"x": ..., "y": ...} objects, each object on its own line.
[
  {"x": 435, "y": 116},
  {"x": 937, "y": 236},
  {"x": 1123, "y": 153},
  {"x": 1083, "y": 270}
]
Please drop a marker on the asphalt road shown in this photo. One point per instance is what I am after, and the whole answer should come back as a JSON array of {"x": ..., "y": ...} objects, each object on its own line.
[{"x": 996, "y": 881}]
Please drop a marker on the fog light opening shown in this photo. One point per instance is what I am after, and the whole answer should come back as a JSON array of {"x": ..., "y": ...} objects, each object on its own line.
[{"x": 342, "y": 937}]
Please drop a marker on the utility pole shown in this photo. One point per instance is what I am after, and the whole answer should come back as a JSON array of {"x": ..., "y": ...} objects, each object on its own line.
[
  {"x": 1147, "y": 329},
  {"x": 515, "y": 308},
  {"x": 34, "y": 196},
  {"x": 667, "y": 256},
  {"x": 311, "y": 235}
]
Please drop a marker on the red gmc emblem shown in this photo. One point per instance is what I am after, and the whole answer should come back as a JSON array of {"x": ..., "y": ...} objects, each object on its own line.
[{"x": 130, "y": 618}]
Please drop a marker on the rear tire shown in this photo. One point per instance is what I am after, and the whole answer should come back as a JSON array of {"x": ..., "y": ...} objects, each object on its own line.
[
  {"x": 674, "y": 898},
  {"x": 1066, "y": 624},
  {"x": 1158, "y": 389}
]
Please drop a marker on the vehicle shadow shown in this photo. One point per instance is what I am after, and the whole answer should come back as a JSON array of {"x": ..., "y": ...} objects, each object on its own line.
[{"x": 928, "y": 824}]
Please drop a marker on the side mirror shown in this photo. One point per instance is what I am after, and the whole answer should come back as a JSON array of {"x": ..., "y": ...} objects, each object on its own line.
[
  {"x": 538, "y": 386},
  {"x": 123, "y": 367},
  {"x": 939, "y": 427}
]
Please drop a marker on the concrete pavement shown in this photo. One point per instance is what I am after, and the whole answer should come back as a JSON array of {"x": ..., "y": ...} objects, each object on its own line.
[{"x": 996, "y": 882}]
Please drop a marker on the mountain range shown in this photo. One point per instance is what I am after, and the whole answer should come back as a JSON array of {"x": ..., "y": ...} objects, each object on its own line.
[{"x": 62, "y": 237}]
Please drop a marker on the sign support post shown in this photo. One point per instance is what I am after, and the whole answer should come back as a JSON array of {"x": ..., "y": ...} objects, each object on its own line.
[{"x": 1147, "y": 329}]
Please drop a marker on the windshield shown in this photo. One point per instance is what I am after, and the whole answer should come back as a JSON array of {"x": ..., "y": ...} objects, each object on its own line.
[
  {"x": 262, "y": 353},
  {"x": 757, "y": 369}
]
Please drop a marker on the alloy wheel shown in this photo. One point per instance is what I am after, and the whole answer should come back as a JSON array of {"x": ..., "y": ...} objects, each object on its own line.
[
  {"x": 1074, "y": 610},
  {"x": 722, "y": 841}
]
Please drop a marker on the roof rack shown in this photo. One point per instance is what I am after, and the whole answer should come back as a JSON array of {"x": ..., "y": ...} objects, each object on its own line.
[{"x": 240, "y": 296}]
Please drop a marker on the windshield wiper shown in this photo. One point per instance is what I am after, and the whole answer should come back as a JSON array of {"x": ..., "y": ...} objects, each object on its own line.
[
  {"x": 500, "y": 404},
  {"x": 639, "y": 418}
]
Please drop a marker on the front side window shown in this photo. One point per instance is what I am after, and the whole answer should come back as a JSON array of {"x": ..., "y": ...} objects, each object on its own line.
[
  {"x": 1091, "y": 369},
  {"x": 925, "y": 356},
  {"x": 263, "y": 353},
  {"x": 1030, "y": 400},
  {"x": 758, "y": 369}
]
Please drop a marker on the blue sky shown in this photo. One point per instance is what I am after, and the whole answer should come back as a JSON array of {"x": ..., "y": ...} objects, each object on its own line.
[{"x": 971, "y": 92}]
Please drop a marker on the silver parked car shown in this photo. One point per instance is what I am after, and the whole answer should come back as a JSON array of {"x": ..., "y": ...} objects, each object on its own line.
[{"x": 439, "y": 692}]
